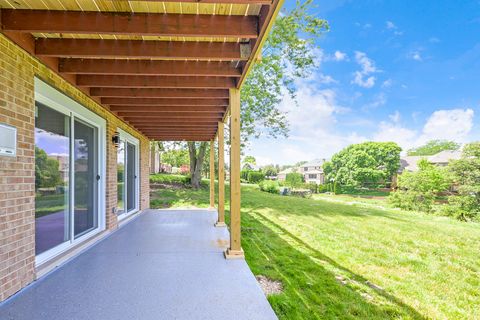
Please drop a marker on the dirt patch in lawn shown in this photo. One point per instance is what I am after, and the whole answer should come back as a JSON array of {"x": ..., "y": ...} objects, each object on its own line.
[{"x": 269, "y": 286}]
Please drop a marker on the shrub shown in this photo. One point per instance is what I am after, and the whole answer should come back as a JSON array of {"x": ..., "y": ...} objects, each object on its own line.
[
  {"x": 244, "y": 175},
  {"x": 303, "y": 193},
  {"x": 418, "y": 189},
  {"x": 255, "y": 177},
  {"x": 323, "y": 188},
  {"x": 294, "y": 179},
  {"x": 169, "y": 178},
  {"x": 412, "y": 200},
  {"x": 269, "y": 186},
  {"x": 313, "y": 187}
]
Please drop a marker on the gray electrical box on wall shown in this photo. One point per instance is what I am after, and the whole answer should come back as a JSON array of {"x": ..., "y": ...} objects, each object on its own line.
[{"x": 8, "y": 140}]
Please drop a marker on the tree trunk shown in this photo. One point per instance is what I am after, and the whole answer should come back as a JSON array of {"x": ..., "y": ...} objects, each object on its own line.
[{"x": 196, "y": 162}]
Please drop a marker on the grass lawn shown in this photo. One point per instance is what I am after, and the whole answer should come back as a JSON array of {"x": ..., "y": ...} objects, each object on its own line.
[{"x": 339, "y": 261}]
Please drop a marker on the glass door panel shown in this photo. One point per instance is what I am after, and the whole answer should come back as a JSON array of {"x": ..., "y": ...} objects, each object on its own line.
[
  {"x": 52, "y": 158},
  {"x": 131, "y": 176},
  {"x": 121, "y": 178},
  {"x": 85, "y": 177}
]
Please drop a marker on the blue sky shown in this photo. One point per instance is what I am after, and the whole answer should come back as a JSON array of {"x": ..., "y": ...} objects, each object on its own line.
[{"x": 403, "y": 71}]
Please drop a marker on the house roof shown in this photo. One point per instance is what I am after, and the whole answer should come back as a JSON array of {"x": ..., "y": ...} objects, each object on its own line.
[
  {"x": 164, "y": 67},
  {"x": 410, "y": 163},
  {"x": 314, "y": 163},
  {"x": 445, "y": 156},
  {"x": 314, "y": 172},
  {"x": 288, "y": 170}
]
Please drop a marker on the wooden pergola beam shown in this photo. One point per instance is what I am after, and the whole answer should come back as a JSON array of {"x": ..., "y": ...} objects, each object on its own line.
[
  {"x": 263, "y": 2},
  {"x": 172, "y": 120},
  {"x": 149, "y": 67},
  {"x": 141, "y": 49},
  {"x": 170, "y": 114},
  {"x": 195, "y": 138},
  {"x": 160, "y": 93},
  {"x": 178, "y": 126},
  {"x": 129, "y": 23},
  {"x": 157, "y": 102},
  {"x": 122, "y": 81},
  {"x": 167, "y": 109}
]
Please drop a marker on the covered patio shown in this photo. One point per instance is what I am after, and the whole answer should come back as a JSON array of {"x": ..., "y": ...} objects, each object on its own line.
[{"x": 163, "y": 264}]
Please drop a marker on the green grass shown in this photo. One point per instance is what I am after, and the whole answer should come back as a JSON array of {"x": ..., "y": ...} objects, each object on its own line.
[
  {"x": 340, "y": 261},
  {"x": 47, "y": 204}
]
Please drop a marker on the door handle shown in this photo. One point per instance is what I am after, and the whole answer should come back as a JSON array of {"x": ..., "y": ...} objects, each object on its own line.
[{"x": 98, "y": 177}]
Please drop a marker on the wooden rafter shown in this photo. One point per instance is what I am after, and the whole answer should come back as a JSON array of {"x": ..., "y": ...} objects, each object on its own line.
[
  {"x": 155, "y": 82},
  {"x": 140, "y": 49},
  {"x": 149, "y": 67},
  {"x": 151, "y": 24},
  {"x": 157, "y": 109},
  {"x": 158, "y": 102},
  {"x": 160, "y": 93}
]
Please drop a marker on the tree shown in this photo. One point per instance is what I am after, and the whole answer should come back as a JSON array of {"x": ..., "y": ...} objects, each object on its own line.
[
  {"x": 249, "y": 162},
  {"x": 288, "y": 54},
  {"x": 294, "y": 179},
  {"x": 176, "y": 156},
  {"x": 466, "y": 176},
  {"x": 270, "y": 170},
  {"x": 433, "y": 147},
  {"x": 417, "y": 190},
  {"x": 364, "y": 164},
  {"x": 196, "y": 151},
  {"x": 47, "y": 170}
]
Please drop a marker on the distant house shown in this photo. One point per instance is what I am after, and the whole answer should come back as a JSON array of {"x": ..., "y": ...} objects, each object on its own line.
[
  {"x": 441, "y": 159},
  {"x": 313, "y": 171},
  {"x": 282, "y": 175}
]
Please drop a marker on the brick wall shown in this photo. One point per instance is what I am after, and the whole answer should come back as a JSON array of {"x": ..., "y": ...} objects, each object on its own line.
[{"x": 17, "y": 174}]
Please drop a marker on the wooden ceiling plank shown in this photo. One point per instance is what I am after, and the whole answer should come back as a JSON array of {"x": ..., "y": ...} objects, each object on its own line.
[
  {"x": 122, "y": 81},
  {"x": 103, "y": 48},
  {"x": 129, "y": 23},
  {"x": 158, "y": 102},
  {"x": 149, "y": 67},
  {"x": 169, "y": 114},
  {"x": 160, "y": 93},
  {"x": 166, "y": 109}
]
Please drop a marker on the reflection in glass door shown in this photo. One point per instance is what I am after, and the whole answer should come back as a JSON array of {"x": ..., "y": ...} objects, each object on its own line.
[
  {"x": 52, "y": 167},
  {"x": 85, "y": 175},
  {"x": 127, "y": 182},
  {"x": 131, "y": 176}
]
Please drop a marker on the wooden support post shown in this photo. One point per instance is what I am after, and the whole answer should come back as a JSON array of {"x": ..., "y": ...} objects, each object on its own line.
[
  {"x": 212, "y": 174},
  {"x": 235, "y": 249},
  {"x": 221, "y": 176}
]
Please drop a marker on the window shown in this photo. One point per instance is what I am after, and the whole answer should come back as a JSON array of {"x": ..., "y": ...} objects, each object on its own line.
[
  {"x": 127, "y": 175},
  {"x": 312, "y": 176}
]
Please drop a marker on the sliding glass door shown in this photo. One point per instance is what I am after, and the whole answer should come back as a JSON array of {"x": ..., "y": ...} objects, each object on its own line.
[
  {"x": 85, "y": 174},
  {"x": 68, "y": 168},
  {"x": 127, "y": 175},
  {"x": 52, "y": 178}
]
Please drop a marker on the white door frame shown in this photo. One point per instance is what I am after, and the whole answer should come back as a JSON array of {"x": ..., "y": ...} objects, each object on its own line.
[
  {"x": 126, "y": 137},
  {"x": 58, "y": 101}
]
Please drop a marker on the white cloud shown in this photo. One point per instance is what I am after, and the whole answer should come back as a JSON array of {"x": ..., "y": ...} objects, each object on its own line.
[
  {"x": 434, "y": 40},
  {"x": 379, "y": 100},
  {"x": 391, "y": 25},
  {"x": 340, "y": 56},
  {"x": 454, "y": 124},
  {"x": 363, "y": 77},
  {"x": 415, "y": 55},
  {"x": 395, "y": 117},
  {"x": 387, "y": 83},
  {"x": 394, "y": 132},
  {"x": 325, "y": 79}
]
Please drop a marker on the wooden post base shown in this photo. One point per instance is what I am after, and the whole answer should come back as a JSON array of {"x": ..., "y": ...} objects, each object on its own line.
[
  {"x": 234, "y": 254},
  {"x": 220, "y": 224}
]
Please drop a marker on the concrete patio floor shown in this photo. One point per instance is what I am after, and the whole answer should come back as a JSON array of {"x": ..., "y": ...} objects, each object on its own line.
[{"x": 164, "y": 264}]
